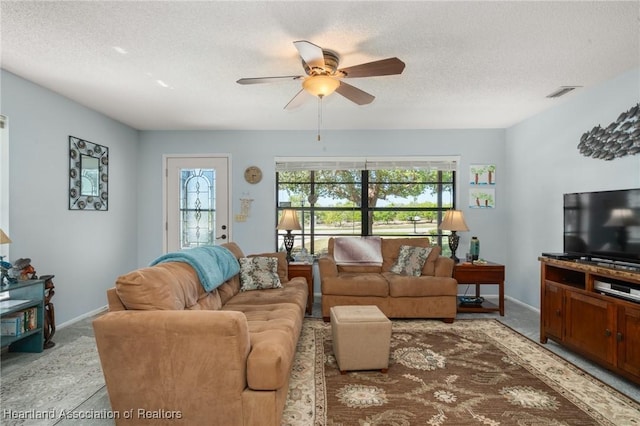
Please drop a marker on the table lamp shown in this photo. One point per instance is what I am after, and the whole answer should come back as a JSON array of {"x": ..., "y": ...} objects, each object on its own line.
[
  {"x": 454, "y": 221},
  {"x": 289, "y": 222}
]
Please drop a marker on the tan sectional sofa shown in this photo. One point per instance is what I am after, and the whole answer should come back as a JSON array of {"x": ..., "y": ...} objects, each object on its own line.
[
  {"x": 173, "y": 353},
  {"x": 433, "y": 294}
]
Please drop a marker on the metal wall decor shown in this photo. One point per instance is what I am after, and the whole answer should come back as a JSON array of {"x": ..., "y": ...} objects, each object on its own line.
[
  {"x": 88, "y": 175},
  {"x": 620, "y": 138}
]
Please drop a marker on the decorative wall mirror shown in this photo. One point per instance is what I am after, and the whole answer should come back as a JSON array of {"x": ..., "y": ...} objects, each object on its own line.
[{"x": 88, "y": 175}]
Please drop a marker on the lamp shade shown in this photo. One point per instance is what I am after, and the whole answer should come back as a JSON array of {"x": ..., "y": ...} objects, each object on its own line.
[
  {"x": 320, "y": 85},
  {"x": 4, "y": 238},
  {"x": 289, "y": 221},
  {"x": 454, "y": 221}
]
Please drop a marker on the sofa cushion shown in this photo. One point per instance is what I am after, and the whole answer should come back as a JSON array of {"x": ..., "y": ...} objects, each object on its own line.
[
  {"x": 171, "y": 285},
  {"x": 294, "y": 291},
  {"x": 259, "y": 273},
  {"x": 408, "y": 286},
  {"x": 391, "y": 250},
  {"x": 410, "y": 260},
  {"x": 283, "y": 265},
  {"x": 274, "y": 330},
  {"x": 356, "y": 284}
]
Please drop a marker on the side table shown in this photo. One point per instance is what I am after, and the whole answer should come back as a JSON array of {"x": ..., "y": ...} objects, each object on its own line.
[
  {"x": 479, "y": 274},
  {"x": 301, "y": 269}
]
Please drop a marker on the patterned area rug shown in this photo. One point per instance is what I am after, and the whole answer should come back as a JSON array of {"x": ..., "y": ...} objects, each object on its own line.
[
  {"x": 471, "y": 372},
  {"x": 46, "y": 390}
]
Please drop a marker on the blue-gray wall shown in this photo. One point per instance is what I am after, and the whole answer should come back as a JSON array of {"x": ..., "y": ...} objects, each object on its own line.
[
  {"x": 536, "y": 161},
  {"x": 85, "y": 250}
]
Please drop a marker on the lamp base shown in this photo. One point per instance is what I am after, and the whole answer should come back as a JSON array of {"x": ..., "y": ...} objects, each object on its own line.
[
  {"x": 454, "y": 239},
  {"x": 288, "y": 245}
]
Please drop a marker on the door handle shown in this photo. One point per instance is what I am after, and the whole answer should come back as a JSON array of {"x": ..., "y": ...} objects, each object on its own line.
[
  {"x": 223, "y": 236},
  {"x": 607, "y": 332}
]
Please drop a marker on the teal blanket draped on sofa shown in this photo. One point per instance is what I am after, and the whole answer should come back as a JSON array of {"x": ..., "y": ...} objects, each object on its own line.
[{"x": 213, "y": 264}]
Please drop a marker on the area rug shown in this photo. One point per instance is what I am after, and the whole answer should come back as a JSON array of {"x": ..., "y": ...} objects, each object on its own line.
[
  {"x": 471, "y": 372},
  {"x": 45, "y": 390}
]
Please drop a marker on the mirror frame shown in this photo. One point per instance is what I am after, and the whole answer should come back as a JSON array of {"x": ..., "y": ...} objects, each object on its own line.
[{"x": 77, "y": 148}]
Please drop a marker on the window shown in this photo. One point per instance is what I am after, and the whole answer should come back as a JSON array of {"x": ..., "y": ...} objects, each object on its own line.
[{"x": 390, "y": 197}]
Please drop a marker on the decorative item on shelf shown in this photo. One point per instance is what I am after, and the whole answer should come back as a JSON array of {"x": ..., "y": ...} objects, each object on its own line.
[
  {"x": 454, "y": 221},
  {"x": 49, "y": 312},
  {"x": 471, "y": 300},
  {"x": 620, "y": 138},
  {"x": 289, "y": 222},
  {"x": 23, "y": 270},
  {"x": 474, "y": 248},
  {"x": 4, "y": 266}
]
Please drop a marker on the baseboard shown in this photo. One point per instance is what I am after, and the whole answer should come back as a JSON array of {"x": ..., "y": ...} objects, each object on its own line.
[{"x": 81, "y": 317}]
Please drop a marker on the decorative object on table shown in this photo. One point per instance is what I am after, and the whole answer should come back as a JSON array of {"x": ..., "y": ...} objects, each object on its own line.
[
  {"x": 4, "y": 266},
  {"x": 454, "y": 221},
  {"x": 474, "y": 248},
  {"x": 23, "y": 270},
  {"x": 618, "y": 139},
  {"x": 88, "y": 175},
  {"x": 289, "y": 222},
  {"x": 49, "y": 312}
]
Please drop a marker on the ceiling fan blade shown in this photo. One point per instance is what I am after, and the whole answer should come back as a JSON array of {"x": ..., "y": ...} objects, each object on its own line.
[
  {"x": 259, "y": 80},
  {"x": 354, "y": 94},
  {"x": 311, "y": 54},
  {"x": 301, "y": 97},
  {"x": 389, "y": 66}
]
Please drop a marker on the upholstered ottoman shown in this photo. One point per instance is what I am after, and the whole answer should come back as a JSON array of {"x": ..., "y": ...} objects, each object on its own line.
[{"x": 361, "y": 338}]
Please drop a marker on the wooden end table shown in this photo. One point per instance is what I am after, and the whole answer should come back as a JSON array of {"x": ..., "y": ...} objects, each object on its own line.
[
  {"x": 479, "y": 274},
  {"x": 301, "y": 269}
]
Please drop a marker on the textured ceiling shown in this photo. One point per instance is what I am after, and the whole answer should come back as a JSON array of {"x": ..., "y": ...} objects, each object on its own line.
[{"x": 174, "y": 64}]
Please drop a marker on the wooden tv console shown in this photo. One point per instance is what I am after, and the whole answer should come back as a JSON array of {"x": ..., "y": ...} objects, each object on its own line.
[{"x": 601, "y": 327}]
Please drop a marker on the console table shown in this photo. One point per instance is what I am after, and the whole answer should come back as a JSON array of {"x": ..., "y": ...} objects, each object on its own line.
[
  {"x": 480, "y": 274},
  {"x": 301, "y": 269},
  {"x": 575, "y": 313},
  {"x": 20, "y": 300}
]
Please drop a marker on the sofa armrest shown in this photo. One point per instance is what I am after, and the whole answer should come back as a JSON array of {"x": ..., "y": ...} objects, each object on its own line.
[
  {"x": 151, "y": 360},
  {"x": 444, "y": 267},
  {"x": 327, "y": 266}
]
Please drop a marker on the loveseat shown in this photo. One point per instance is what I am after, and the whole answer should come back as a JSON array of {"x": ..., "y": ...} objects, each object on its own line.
[
  {"x": 432, "y": 293},
  {"x": 174, "y": 353}
]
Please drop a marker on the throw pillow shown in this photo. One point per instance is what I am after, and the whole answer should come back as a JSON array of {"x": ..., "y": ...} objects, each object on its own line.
[
  {"x": 259, "y": 273},
  {"x": 410, "y": 260}
]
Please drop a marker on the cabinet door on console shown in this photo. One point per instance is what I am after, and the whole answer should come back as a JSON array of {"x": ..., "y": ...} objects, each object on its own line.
[
  {"x": 590, "y": 322},
  {"x": 552, "y": 307},
  {"x": 628, "y": 336}
]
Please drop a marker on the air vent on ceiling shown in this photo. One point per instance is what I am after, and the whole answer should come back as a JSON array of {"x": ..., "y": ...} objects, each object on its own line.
[{"x": 563, "y": 90}]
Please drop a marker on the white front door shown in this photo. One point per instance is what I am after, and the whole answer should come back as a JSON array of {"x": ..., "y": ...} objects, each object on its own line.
[{"x": 196, "y": 201}]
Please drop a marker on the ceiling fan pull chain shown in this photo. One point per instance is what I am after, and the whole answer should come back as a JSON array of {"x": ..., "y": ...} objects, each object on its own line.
[{"x": 319, "y": 115}]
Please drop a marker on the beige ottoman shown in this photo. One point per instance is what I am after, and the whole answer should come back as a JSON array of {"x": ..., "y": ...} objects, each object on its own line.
[{"x": 361, "y": 338}]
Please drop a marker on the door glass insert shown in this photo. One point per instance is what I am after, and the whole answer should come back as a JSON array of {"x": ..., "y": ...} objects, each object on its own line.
[{"x": 197, "y": 207}]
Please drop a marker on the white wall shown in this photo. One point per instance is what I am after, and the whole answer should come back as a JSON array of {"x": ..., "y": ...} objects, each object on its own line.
[
  {"x": 543, "y": 163},
  {"x": 85, "y": 250}
]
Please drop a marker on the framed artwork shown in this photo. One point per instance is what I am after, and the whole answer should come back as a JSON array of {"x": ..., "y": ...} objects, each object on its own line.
[
  {"x": 482, "y": 174},
  {"x": 482, "y": 198}
]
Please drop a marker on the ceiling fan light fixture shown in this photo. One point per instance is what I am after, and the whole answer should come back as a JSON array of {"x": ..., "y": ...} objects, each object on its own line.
[{"x": 320, "y": 85}]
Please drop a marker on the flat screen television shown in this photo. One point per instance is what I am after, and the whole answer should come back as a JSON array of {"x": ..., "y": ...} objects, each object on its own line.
[{"x": 603, "y": 225}]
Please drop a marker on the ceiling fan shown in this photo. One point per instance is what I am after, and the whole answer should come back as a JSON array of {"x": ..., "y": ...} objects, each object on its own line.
[{"x": 323, "y": 76}]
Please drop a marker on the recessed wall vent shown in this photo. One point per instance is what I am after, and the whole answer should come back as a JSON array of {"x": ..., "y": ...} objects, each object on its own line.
[{"x": 563, "y": 90}]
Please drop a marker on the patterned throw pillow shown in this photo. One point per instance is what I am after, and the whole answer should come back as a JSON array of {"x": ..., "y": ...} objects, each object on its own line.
[
  {"x": 259, "y": 273},
  {"x": 411, "y": 260}
]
